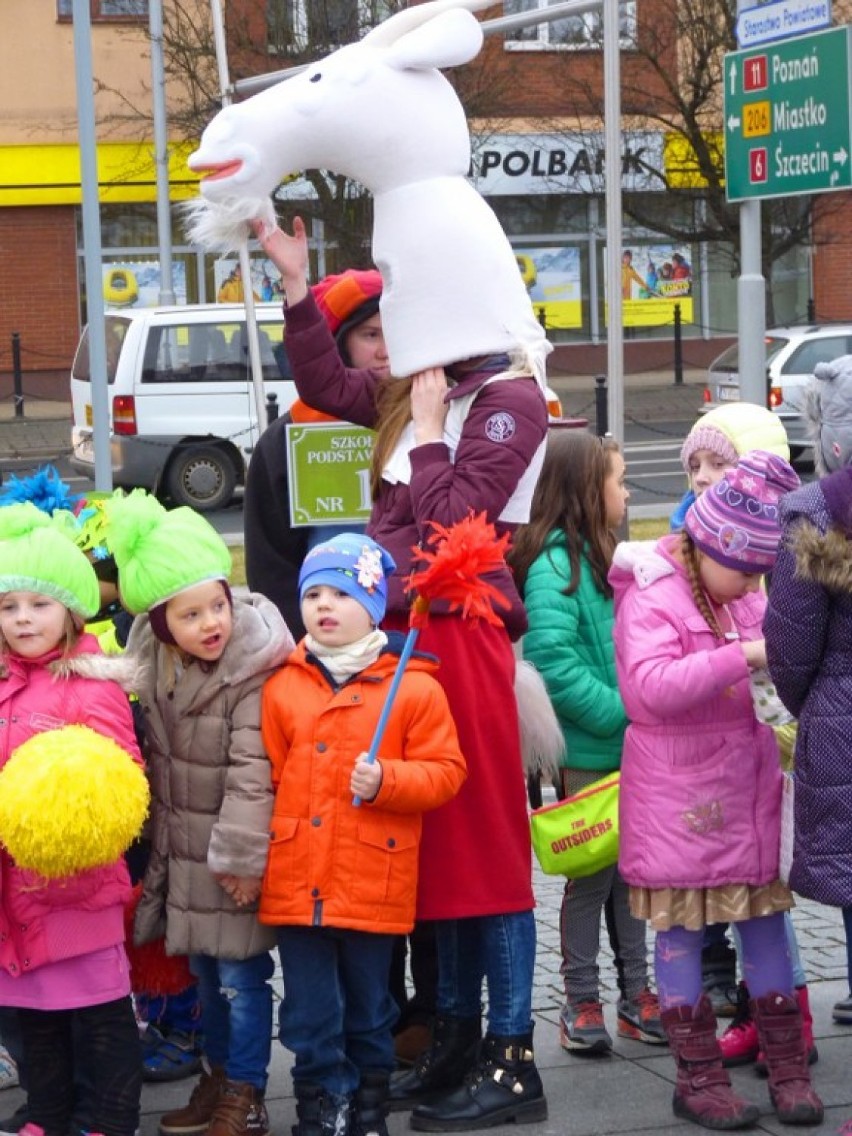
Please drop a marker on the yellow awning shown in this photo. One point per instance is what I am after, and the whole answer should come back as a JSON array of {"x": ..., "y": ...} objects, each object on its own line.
[{"x": 50, "y": 174}]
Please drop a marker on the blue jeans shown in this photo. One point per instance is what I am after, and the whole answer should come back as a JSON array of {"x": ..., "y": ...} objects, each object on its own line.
[
  {"x": 236, "y": 1005},
  {"x": 337, "y": 1012},
  {"x": 498, "y": 948}
]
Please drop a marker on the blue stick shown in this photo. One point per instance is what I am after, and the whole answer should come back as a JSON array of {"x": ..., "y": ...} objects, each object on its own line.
[{"x": 404, "y": 656}]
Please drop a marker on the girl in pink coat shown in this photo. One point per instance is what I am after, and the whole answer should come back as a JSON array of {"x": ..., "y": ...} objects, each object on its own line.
[
  {"x": 62, "y": 959},
  {"x": 701, "y": 783}
]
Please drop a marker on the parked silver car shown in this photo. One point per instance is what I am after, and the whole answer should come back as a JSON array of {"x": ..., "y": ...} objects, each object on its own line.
[{"x": 791, "y": 355}]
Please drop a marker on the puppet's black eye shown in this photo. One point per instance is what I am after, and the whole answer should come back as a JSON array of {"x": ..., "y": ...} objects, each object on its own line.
[{"x": 315, "y": 78}]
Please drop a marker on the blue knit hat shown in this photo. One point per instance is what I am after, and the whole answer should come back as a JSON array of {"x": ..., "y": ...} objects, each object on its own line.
[
  {"x": 355, "y": 565},
  {"x": 736, "y": 522}
]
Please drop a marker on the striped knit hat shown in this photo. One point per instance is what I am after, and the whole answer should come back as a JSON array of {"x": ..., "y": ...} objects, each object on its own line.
[
  {"x": 736, "y": 522},
  {"x": 348, "y": 299}
]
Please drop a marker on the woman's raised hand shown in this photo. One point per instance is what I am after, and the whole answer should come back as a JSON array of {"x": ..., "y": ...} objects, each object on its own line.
[{"x": 288, "y": 253}]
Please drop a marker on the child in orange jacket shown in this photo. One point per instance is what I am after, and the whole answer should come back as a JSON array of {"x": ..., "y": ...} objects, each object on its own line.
[{"x": 341, "y": 880}]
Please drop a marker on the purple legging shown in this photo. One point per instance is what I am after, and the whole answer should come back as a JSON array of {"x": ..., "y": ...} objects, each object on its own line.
[{"x": 766, "y": 961}]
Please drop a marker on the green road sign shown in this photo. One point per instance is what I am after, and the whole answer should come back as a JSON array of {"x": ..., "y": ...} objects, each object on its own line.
[
  {"x": 329, "y": 473},
  {"x": 787, "y": 117}
]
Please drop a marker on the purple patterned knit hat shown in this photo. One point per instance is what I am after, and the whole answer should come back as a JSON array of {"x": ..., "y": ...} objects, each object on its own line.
[{"x": 736, "y": 522}]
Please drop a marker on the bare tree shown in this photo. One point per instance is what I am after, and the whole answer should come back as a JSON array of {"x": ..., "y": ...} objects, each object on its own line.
[
  {"x": 672, "y": 87},
  {"x": 672, "y": 84}
]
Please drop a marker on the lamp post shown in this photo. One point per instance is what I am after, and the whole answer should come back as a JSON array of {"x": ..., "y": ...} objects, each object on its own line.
[{"x": 92, "y": 244}]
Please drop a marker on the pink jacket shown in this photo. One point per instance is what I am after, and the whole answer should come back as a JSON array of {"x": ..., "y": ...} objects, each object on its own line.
[
  {"x": 700, "y": 778},
  {"x": 43, "y": 921}
]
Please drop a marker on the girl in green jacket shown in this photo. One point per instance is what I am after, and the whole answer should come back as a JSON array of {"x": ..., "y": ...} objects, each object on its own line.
[{"x": 561, "y": 559}]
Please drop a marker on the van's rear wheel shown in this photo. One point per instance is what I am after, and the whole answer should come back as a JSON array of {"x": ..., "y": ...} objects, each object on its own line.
[{"x": 202, "y": 477}]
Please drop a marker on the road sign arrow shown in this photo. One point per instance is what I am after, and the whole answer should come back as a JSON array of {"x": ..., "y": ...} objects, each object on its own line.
[
  {"x": 732, "y": 78},
  {"x": 840, "y": 156},
  {"x": 734, "y": 121}
]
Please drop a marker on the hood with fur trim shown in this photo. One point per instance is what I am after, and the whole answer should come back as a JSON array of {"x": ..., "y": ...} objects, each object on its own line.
[
  {"x": 819, "y": 544},
  {"x": 122, "y": 669},
  {"x": 823, "y": 557}
]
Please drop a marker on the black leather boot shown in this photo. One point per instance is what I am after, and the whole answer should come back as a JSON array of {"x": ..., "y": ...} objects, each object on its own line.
[
  {"x": 444, "y": 1065},
  {"x": 370, "y": 1104},
  {"x": 504, "y": 1087},
  {"x": 719, "y": 978},
  {"x": 319, "y": 1113}
]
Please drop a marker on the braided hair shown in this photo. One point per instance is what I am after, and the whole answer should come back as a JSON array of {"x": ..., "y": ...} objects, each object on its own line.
[{"x": 690, "y": 560}]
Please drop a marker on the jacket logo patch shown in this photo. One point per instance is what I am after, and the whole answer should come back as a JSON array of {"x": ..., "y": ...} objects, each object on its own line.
[
  {"x": 704, "y": 818},
  {"x": 500, "y": 427},
  {"x": 45, "y": 722}
]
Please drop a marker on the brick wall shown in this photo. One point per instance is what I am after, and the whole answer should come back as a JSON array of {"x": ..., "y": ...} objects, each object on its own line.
[
  {"x": 832, "y": 257},
  {"x": 40, "y": 299}
]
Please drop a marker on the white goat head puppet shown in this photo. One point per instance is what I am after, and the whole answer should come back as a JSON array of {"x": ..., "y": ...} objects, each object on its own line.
[{"x": 381, "y": 113}]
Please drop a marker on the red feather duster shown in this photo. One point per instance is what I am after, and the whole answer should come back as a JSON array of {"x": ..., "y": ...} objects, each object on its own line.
[
  {"x": 457, "y": 558},
  {"x": 152, "y": 971}
]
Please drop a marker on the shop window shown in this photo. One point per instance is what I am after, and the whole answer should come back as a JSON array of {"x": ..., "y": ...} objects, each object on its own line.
[
  {"x": 102, "y": 10},
  {"x": 575, "y": 33},
  {"x": 295, "y": 26}
]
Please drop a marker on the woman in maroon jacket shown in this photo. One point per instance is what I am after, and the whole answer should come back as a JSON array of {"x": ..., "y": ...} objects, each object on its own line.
[{"x": 466, "y": 436}]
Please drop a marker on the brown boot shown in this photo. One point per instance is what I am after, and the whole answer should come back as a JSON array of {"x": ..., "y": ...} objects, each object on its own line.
[
  {"x": 195, "y": 1116},
  {"x": 240, "y": 1112},
  {"x": 785, "y": 1050},
  {"x": 703, "y": 1090}
]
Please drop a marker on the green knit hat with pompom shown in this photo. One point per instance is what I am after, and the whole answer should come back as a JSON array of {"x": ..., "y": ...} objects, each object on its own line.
[
  {"x": 37, "y": 554},
  {"x": 160, "y": 552}
]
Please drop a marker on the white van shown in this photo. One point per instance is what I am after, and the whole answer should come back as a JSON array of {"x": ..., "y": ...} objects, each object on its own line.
[{"x": 181, "y": 402}]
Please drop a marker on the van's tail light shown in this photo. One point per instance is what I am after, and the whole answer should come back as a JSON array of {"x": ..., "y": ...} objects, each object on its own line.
[
  {"x": 707, "y": 396},
  {"x": 776, "y": 397},
  {"x": 124, "y": 414}
]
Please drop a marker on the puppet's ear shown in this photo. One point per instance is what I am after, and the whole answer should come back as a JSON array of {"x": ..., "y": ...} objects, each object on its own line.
[{"x": 448, "y": 40}]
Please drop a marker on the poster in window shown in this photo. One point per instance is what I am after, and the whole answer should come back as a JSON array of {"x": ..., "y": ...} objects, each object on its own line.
[
  {"x": 138, "y": 283},
  {"x": 655, "y": 277},
  {"x": 552, "y": 277},
  {"x": 265, "y": 281}
]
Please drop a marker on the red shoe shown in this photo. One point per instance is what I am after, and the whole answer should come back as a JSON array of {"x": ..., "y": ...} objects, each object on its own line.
[{"x": 739, "y": 1043}]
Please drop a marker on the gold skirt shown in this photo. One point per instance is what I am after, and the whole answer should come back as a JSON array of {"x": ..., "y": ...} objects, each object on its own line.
[{"x": 694, "y": 908}]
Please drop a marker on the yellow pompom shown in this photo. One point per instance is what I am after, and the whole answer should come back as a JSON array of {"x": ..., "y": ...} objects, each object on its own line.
[{"x": 70, "y": 799}]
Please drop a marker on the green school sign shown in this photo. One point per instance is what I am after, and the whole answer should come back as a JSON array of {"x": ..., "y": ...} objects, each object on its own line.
[
  {"x": 329, "y": 473},
  {"x": 787, "y": 117}
]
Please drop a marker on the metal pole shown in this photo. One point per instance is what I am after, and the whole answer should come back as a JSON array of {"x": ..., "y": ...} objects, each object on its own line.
[
  {"x": 751, "y": 295},
  {"x": 17, "y": 375},
  {"x": 245, "y": 264},
  {"x": 161, "y": 151},
  {"x": 612, "y": 167},
  {"x": 678, "y": 347},
  {"x": 601, "y": 417},
  {"x": 92, "y": 244}
]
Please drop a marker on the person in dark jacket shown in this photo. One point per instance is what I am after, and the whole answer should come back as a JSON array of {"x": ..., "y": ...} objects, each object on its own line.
[
  {"x": 274, "y": 547},
  {"x": 808, "y": 627}
]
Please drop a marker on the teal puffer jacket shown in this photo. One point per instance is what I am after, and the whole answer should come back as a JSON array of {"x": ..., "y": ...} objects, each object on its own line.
[{"x": 569, "y": 641}]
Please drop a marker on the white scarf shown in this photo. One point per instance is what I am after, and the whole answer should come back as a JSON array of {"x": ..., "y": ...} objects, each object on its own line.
[{"x": 343, "y": 662}]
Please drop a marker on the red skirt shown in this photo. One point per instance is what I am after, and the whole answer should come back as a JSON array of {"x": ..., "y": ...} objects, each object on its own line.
[{"x": 475, "y": 854}]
